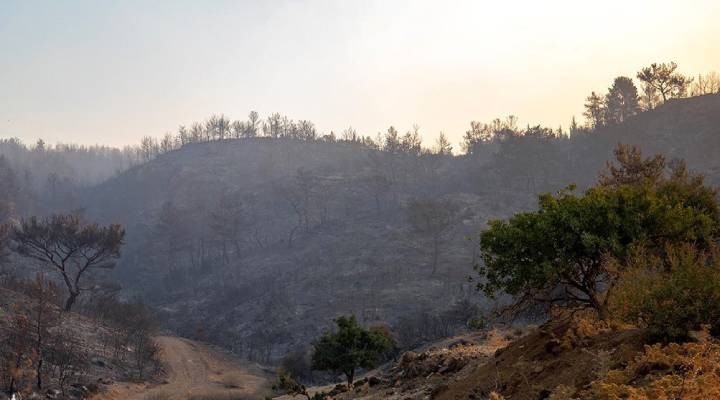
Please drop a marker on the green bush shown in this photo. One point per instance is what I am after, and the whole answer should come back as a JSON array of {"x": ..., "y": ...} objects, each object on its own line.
[{"x": 477, "y": 324}]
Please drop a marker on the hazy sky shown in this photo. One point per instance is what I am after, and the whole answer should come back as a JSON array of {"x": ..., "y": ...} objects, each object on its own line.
[{"x": 110, "y": 72}]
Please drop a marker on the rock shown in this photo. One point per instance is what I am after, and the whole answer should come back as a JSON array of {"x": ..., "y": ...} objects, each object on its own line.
[{"x": 53, "y": 394}]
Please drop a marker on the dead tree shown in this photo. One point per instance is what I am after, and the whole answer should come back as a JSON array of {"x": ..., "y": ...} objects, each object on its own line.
[{"x": 70, "y": 246}]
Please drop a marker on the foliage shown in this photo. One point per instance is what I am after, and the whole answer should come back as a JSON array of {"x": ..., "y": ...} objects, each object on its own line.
[
  {"x": 559, "y": 253},
  {"x": 349, "y": 348},
  {"x": 621, "y": 101},
  {"x": 664, "y": 79},
  {"x": 671, "y": 296},
  {"x": 595, "y": 110},
  {"x": 477, "y": 324}
]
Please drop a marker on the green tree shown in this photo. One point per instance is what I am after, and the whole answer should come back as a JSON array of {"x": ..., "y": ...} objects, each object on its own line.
[
  {"x": 559, "y": 253},
  {"x": 349, "y": 348}
]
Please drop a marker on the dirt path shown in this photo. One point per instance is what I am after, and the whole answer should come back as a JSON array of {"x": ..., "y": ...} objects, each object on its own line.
[{"x": 196, "y": 369}]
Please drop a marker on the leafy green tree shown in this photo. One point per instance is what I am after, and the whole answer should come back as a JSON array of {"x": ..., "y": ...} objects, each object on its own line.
[
  {"x": 349, "y": 348},
  {"x": 559, "y": 253}
]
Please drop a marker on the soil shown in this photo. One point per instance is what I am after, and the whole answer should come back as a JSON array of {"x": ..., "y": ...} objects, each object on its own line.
[{"x": 196, "y": 369}]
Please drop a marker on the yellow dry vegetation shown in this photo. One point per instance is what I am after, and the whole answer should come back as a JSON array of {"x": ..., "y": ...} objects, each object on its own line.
[{"x": 688, "y": 371}]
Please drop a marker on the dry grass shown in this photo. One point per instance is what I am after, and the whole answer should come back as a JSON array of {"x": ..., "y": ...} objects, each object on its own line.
[
  {"x": 159, "y": 396},
  {"x": 676, "y": 371},
  {"x": 219, "y": 395},
  {"x": 232, "y": 380},
  {"x": 210, "y": 394}
]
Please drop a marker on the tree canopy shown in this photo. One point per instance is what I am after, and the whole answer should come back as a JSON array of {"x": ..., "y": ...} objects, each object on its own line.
[
  {"x": 559, "y": 252},
  {"x": 71, "y": 246},
  {"x": 663, "y": 78},
  {"x": 349, "y": 348}
]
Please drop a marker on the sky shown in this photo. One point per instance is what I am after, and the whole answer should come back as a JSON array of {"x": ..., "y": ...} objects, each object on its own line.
[{"x": 110, "y": 72}]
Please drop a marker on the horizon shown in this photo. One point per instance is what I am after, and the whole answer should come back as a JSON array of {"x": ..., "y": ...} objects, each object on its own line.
[{"x": 112, "y": 73}]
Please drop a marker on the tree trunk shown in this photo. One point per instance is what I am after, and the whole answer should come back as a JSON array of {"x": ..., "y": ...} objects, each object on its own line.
[
  {"x": 38, "y": 372},
  {"x": 39, "y": 348},
  {"x": 436, "y": 250},
  {"x": 350, "y": 379},
  {"x": 70, "y": 301}
]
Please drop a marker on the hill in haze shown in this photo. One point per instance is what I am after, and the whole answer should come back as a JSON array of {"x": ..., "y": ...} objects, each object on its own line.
[{"x": 255, "y": 244}]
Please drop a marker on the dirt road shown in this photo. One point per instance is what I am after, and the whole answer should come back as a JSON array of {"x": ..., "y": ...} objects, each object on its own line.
[{"x": 194, "y": 369}]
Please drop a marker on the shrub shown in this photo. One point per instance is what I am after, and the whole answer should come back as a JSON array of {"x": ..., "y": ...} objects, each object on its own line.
[
  {"x": 673, "y": 296},
  {"x": 286, "y": 383},
  {"x": 477, "y": 324}
]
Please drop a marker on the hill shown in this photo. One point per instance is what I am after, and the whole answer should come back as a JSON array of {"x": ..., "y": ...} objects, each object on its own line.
[
  {"x": 255, "y": 244},
  {"x": 321, "y": 230}
]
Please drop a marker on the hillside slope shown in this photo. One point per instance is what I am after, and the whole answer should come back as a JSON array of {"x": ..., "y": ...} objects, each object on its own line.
[
  {"x": 256, "y": 244},
  {"x": 81, "y": 356}
]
